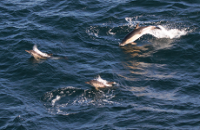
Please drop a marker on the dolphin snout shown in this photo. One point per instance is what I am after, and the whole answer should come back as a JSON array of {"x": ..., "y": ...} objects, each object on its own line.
[
  {"x": 87, "y": 82},
  {"x": 121, "y": 44},
  {"x": 28, "y": 51}
]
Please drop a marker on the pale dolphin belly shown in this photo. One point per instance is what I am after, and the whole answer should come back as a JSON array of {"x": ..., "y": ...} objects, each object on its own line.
[{"x": 136, "y": 33}]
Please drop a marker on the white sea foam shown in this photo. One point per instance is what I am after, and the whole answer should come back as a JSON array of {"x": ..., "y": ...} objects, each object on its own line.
[
  {"x": 54, "y": 100},
  {"x": 132, "y": 21},
  {"x": 67, "y": 100},
  {"x": 167, "y": 33},
  {"x": 92, "y": 31},
  {"x": 110, "y": 32}
]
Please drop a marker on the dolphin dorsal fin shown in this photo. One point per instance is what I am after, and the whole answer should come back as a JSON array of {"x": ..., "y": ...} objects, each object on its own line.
[{"x": 137, "y": 26}]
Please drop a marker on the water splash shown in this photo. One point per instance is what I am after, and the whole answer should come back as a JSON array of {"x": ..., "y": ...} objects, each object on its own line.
[
  {"x": 93, "y": 31},
  {"x": 54, "y": 100},
  {"x": 110, "y": 32},
  {"x": 70, "y": 100},
  {"x": 167, "y": 33}
]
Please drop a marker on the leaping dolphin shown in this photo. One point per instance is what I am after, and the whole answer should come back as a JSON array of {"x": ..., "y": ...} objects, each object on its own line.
[
  {"x": 37, "y": 54},
  {"x": 136, "y": 33}
]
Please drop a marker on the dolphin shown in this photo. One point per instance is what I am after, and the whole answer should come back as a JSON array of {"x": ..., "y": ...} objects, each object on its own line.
[
  {"x": 136, "y": 33},
  {"x": 100, "y": 83},
  {"x": 37, "y": 54}
]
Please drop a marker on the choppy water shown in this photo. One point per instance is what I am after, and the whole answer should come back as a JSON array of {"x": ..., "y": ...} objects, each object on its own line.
[{"x": 158, "y": 80}]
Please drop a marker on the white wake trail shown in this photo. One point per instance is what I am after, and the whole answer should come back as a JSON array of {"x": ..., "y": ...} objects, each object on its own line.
[{"x": 167, "y": 33}]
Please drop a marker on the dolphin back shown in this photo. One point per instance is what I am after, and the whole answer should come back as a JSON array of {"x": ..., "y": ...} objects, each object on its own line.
[{"x": 39, "y": 52}]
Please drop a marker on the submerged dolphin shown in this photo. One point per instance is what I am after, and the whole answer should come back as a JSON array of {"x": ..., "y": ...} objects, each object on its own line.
[
  {"x": 100, "y": 83},
  {"x": 136, "y": 33},
  {"x": 37, "y": 54}
]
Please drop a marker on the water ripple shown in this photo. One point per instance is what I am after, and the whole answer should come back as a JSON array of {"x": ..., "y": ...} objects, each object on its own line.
[{"x": 158, "y": 80}]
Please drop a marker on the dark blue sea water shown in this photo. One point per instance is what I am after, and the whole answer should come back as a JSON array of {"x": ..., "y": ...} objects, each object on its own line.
[{"x": 158, "y": 80}]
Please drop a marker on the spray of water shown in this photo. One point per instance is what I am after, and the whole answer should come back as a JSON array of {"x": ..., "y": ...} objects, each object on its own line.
[{"x": 167, "y": 33}]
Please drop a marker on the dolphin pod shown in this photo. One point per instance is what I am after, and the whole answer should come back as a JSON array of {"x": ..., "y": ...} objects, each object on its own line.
[{"x": 99, "y": 82}]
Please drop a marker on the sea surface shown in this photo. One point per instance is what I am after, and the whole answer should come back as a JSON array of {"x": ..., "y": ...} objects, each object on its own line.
[{"x": 158, "y": 80}]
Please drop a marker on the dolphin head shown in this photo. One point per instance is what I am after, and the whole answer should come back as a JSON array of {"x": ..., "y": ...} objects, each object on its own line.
[
  {"x": 122, "y": 44},
  {"x": 29, "y": 51}
]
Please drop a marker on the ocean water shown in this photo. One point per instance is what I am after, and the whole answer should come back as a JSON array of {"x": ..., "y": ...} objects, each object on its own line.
[{"x": 158, "y": 80}]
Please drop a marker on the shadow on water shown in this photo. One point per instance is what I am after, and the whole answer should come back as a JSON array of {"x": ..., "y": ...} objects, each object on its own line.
[
  {"x": 139, "y": 63},
  {"x": 34, "y": 61},
  {"x": 147, "y": 48},
  {"x": 140, "y": 71}
]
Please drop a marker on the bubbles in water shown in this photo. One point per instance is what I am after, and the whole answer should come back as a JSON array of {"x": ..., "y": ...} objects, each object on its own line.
[
  {"x": 72, "y": 100},
  {"x": 92, "y": 31},
  {"x": 54, "y": 100}
]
